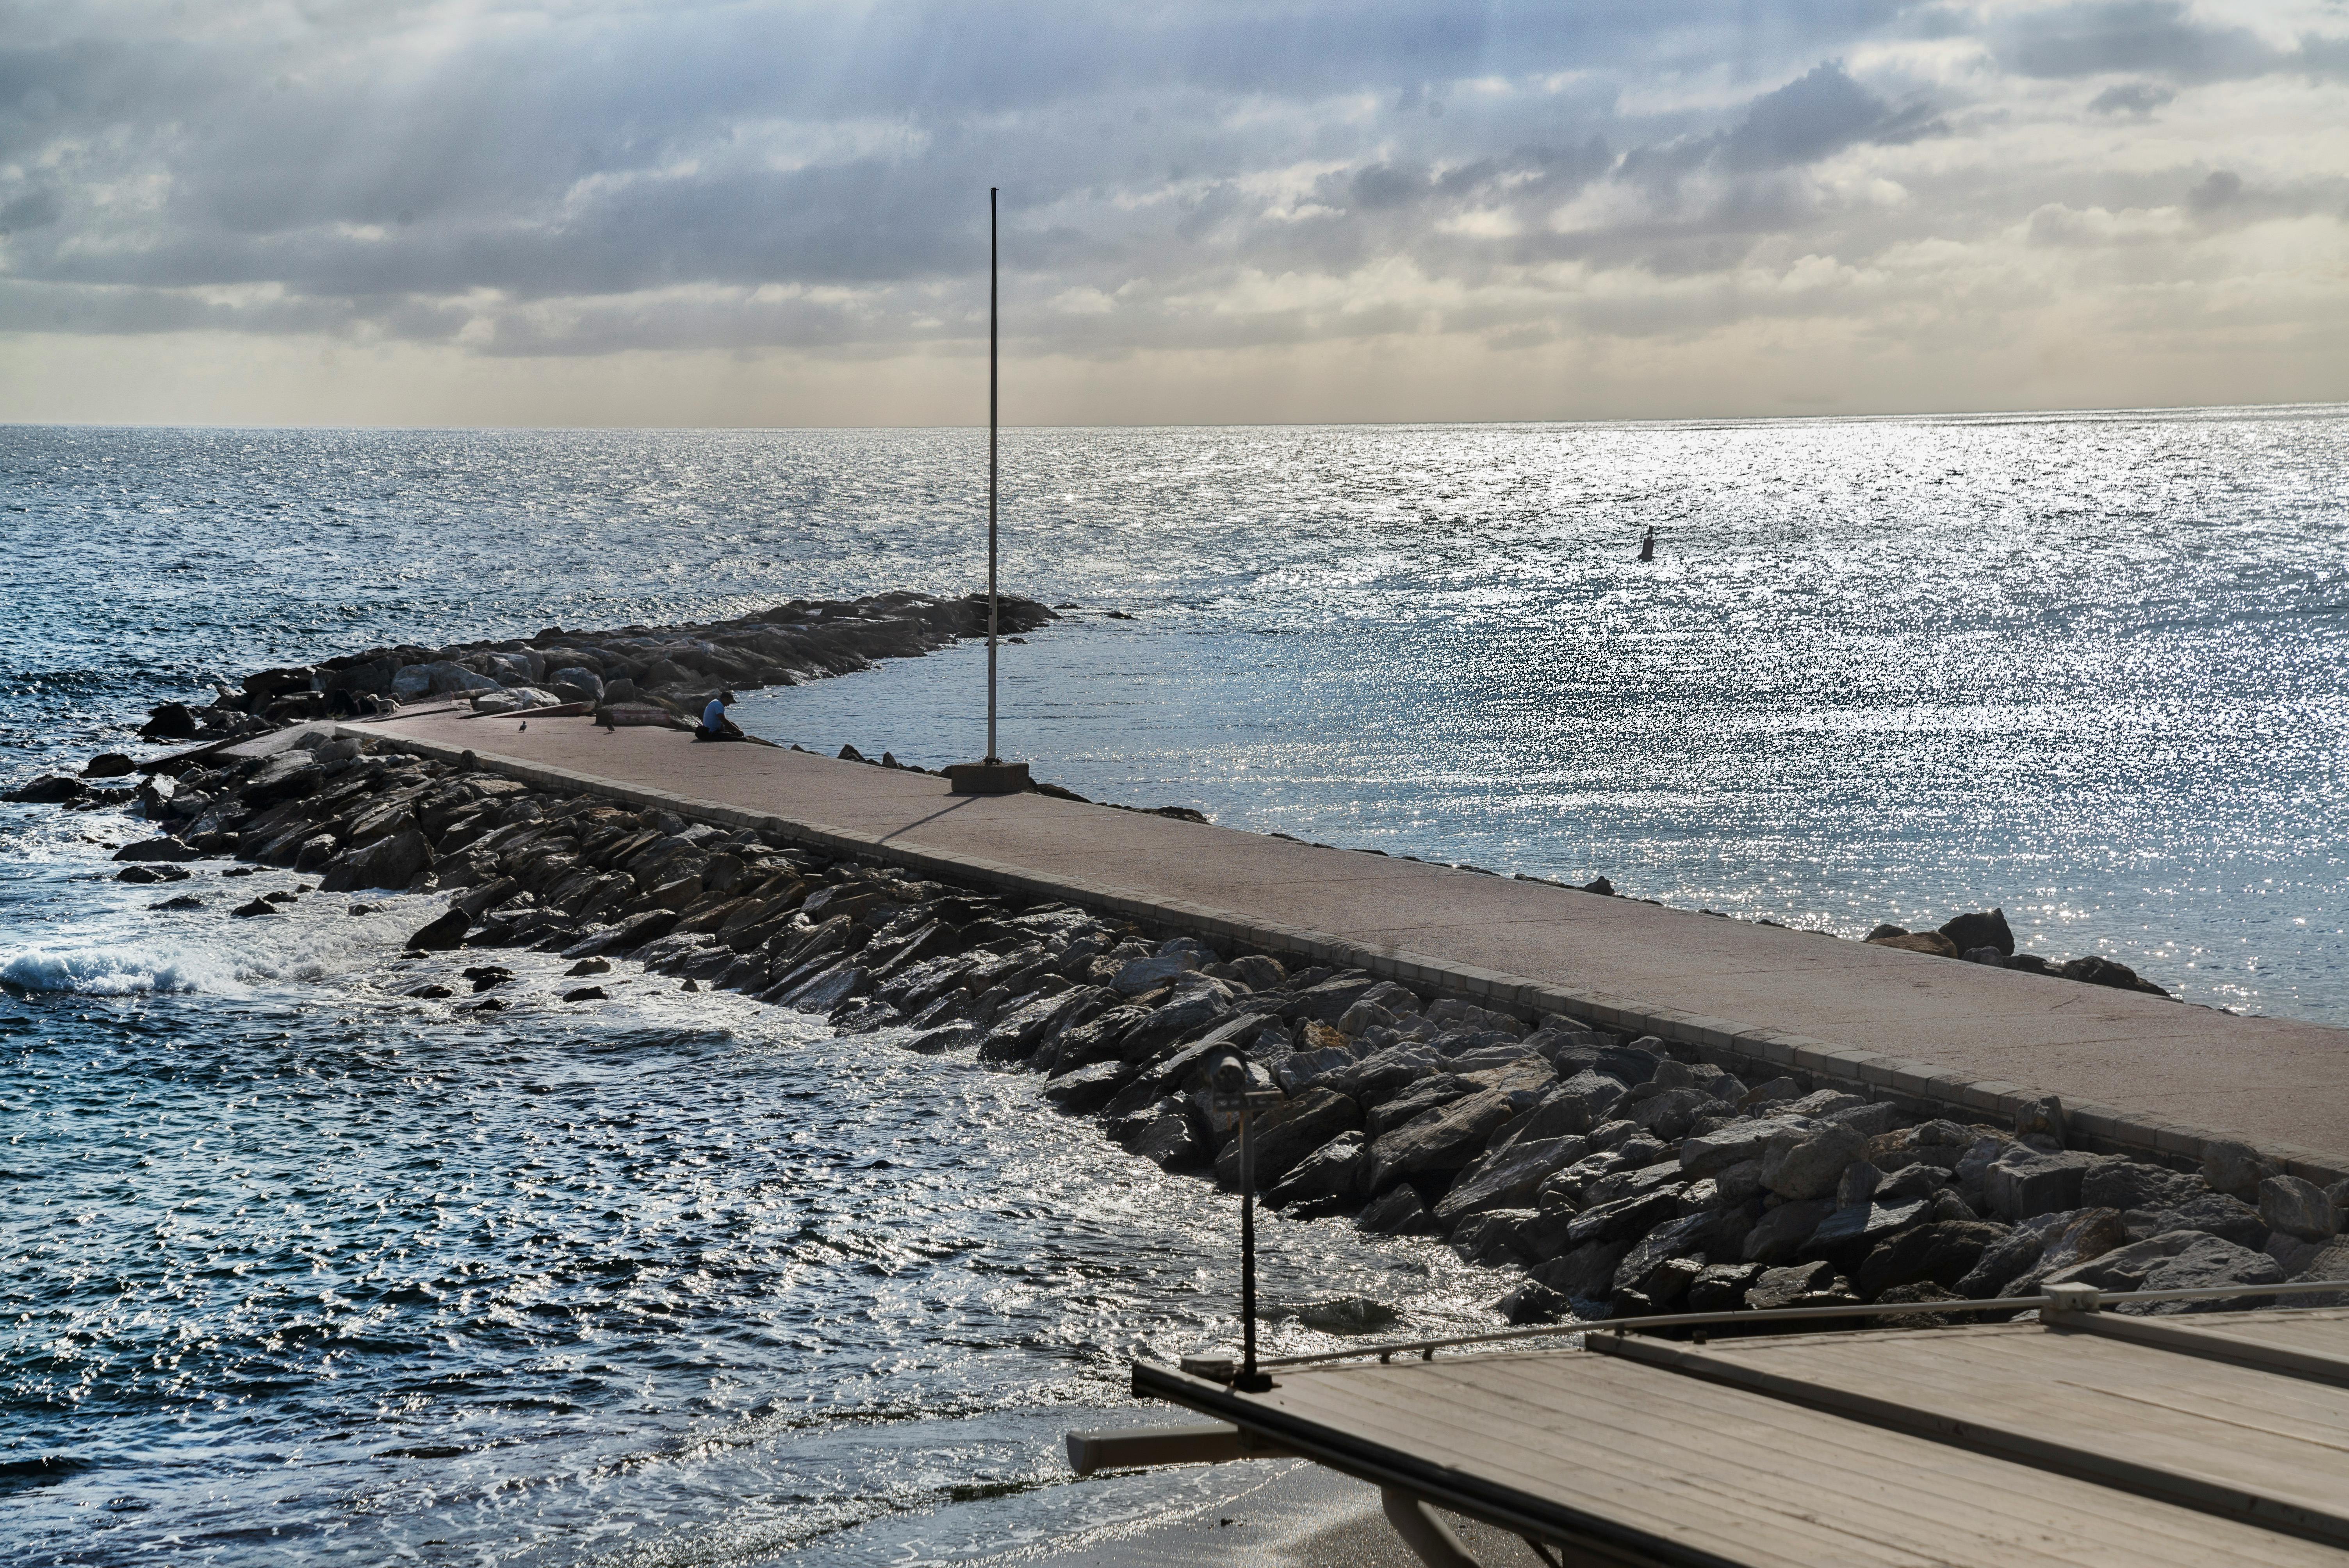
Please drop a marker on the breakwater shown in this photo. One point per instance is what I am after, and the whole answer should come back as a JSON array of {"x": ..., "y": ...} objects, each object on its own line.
[{"x": 1617, "y": 1176}]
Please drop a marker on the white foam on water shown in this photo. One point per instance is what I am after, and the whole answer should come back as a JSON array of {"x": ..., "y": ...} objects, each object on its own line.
[{"x": 123, "y": 970}]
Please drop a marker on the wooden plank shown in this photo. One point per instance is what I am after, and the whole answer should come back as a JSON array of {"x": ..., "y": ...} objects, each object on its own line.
[
  {"x": 1681, "y": 1470},
  {"x": 2233, "y": 1441},
  {"x": 2187, "y": 1338}
]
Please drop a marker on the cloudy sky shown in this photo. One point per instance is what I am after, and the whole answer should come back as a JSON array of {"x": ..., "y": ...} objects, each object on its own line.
[{"x": 664, "y": 212}]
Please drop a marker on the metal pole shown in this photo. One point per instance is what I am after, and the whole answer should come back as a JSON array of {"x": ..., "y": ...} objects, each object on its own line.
[
  {"x": 1249, "y": 1381},
  {"x": 991, "y": 422}
]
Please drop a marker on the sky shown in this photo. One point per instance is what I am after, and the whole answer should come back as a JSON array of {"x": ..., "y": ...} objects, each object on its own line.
[{"x": 649, "y": 213}]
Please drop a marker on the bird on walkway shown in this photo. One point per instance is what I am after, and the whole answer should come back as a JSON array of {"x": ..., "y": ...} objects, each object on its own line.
[{"x": 524, "y": 725}]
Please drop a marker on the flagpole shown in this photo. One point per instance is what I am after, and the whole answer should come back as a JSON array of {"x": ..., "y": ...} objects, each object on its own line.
[{"x": 991, "y": 422}]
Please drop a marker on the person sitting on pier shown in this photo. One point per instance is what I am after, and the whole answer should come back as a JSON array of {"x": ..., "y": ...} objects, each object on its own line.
[{"x": 715, "y": 725}]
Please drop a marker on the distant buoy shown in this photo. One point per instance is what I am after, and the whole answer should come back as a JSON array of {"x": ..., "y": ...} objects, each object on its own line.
[{"x": 1648, "y": 546}]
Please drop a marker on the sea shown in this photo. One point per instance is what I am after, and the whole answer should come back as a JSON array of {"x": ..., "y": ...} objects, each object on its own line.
[{"x": 299, "y": 1268}]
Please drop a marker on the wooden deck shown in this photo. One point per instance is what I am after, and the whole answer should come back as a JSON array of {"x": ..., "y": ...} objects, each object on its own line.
[{"x": 2013, "y": 1444}]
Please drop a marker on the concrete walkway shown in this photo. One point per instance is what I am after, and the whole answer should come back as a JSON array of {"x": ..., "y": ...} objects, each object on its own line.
[{"x": 2134, "y": 1071}]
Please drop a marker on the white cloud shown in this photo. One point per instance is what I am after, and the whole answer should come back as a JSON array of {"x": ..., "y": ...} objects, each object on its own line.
[{"x": 535, "y": 184}]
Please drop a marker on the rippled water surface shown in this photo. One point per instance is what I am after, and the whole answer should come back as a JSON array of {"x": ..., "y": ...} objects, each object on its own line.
[{"x": 299, "y": 1268}]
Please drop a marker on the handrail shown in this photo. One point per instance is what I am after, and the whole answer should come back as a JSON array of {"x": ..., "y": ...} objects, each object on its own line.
[{"x": 2069, "y": 1299}]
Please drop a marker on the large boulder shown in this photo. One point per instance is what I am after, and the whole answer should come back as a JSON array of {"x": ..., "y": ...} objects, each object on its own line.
[
  {"x": 1330, "y": 1173},
  {"x": 1710, "y": 1153},
  {"x": 1782, "y": 1230},
  {"x": 1848, "y": 1234},
  {"x": 2298, "y": 1208},
  {"x": 1507, "y": 1178},
  {"x": 2081, "y": 1236},
  {"x": 2024, "y": 1181},
  {"x": 1968, "y": 931},
  {"x": 2235, "y": 1169},
  {"x": 49, "y": 789},
  {"x": 392, "y": 862},
  {"x": 1944, "y": 1253},
  {"x": 1285, "y": 1134},
  {"x": 1805, "y": 1162},
  {"x": 1584, "y": 1273},
  {"x": 2179, "y": 1260},
  {"x": 2126, "y": 1185}
]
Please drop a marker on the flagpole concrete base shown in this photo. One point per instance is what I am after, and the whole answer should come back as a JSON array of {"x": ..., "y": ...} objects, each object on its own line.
[{"x": 987, "y": 778}]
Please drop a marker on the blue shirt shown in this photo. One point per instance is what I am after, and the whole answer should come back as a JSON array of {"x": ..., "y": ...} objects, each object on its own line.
[{"x": 714, "y": 716}]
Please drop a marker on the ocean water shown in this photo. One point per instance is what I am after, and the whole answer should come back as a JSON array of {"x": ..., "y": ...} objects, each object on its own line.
[{"x": 300, "y": 1268}]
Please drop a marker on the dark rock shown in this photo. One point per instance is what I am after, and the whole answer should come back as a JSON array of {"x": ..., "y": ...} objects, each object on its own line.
[
  {"x": 2181, "y": 1260},
  {"x": 585, "y": 994},
  {"x": 1285, "y": 1134},
  {"x": 1445, "y": 1140},
  {"x": 428, "y": 993},
  {"x": 1348, "y": 1314},
  {"x": 488, "y": 977},
  {"x": 1782, "y": 1230},
  {"x": 2025, "y": 1181},
  {"x": 1172, "y": 1143},
  {"x": 630, "y": 934},
  {"x": 392, "y": 862},
  {"x": 169, "y": 721},
  {"x": 2235, "y": 1169},
  {"x": 2127, "y": 1184},
  {"x": 1848, "y": 1235},
  {"x": 1710, "y": 1153},
  {"x": 1944, "y": 1253},
  {"x": 1493, "y": 1237},
  {"x": 442, "y": 934},
  {"x": 50, "y": 789},
  {"x": 2095, "y": 970},
  {"x": 108, "y": 764},
  {"x": 2082, "y": 1235},
  {"x": 1797, "y": 1284},
  {"x": 1088, "y": 1088},
  {"x": 1624, "y": 1220},
  {"x": 1400, "y": 1212},
  {"x": 2298, "y": 1208},
  {"x": 1915, "y": 1292},
  {"x": 1808, "y": 1162},
  {"x": 590, "y": 967},
  {"x": 1534, "y": 1302},
  {"x": 1968, "y": 931},
  {"x": 1585, "y": 1273},
  {"x": 258, "y": 906},
  {"x": 1721, "y": 1287},
  {"x": 170, "y": 850},
  {"x": 1331, "y": 1172},
  {"x": 1507, "y": 1178}
]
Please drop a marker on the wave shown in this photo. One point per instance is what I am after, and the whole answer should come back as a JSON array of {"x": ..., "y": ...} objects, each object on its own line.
[{"x": 123, "y": 970}]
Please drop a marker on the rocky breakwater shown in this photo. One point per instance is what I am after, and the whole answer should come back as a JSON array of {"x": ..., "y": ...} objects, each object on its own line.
[
  {"x": 1615, "y": 1177},
  {"x": 1984, "y": 938},
  {"x": 676, "y": 668}
]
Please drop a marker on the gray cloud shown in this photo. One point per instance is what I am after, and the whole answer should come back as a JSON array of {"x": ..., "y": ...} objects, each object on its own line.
[{"x": 597, "y": 178}]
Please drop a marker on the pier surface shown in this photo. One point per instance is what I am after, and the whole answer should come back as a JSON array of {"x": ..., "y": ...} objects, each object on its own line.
[{"x": 2135, "y": 1071}]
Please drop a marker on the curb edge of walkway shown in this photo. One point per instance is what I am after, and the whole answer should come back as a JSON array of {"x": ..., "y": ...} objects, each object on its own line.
[{"x": 1912, "y": 1085}]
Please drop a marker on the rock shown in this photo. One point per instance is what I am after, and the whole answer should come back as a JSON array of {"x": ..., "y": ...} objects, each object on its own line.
[
  {"x": 1721, "y": 1287},
  {"x": 2298, "y": 1208},
  {"x": 1087, "y": 1089},
  {"x": 1710, "y": 1153},
  {"x": 1575, "y": 1106},
  {"x": 1990, "y": 957},
  {"x": 1879, "y": 931},
  {"x": 2182, "y": 1260},
  {"x": 182, "y": 902},
  {"x": 1771, "y": 1092},
  {"x": 1494, "y": 1237},
  {"x": 1797, "y": 1284},
  {"x": 1446, "y": 1138},
  {"x": 2095, "y": 970},
  {"x": 830, "y": 988},
  {"x": 1919, "y": 1291},
  {"x": 2235, "y": 1169},
  {"x": 1177, "y": 957},
  {"x": 1971, "y": 930},
  {"x": 1804, "y": 1163},
  {"x": 169, "y": 721},
  {"x": 1348, "y": 1314},
  {"x": 108, "y": 764},
  {"x": 442, "y": 934},
  {"x": 1928, "y": 942},
  {"x": 1328, "y": 1174},
  {"x": 1585, "y": 1273},
  {"x": 1400, "y": 1212},
  {"x": 1782, "y": 1230},
  {"x": 1300, "y": 1068},
  {"x": 1820, "y": 1103},
  {"x": 576, "y": 685},
  {"x": 1172, "y": 1144},
  {"x": 1507, "y": 1178},
  {"x": 2024, "y": 1181},
  {"x": 1671, "y": 1114},
  {"x": 1328, "y": 1000},
  {"x": 1534, "y": 1302},
  {"x": 1677, "y": 1241},
  {"x": 1624, "y": 1221},
  {"x": 258, "y": 906},
  {"x": 1846, "y": 1235},
  {"x": 1857, "y": 1185},
  {"x": 392, "y": 862},
  {"x": 1667, "y": 1285},
  {"x": 2329, "y": 1263},
  {"x": 168, "y": 849},
  {"x": 585, "y": 994},
  {"x": 49, "y": 789},
  {"x": 2127, "y": 1184},
  {"x": 2011, "y": 1257},
  {"x": 1363, "y": 1014},
  {"x": 1942, "y": 1253},
  {"x": 1285, "y": 1134},
  {"x": 2043, "y": 1118}
]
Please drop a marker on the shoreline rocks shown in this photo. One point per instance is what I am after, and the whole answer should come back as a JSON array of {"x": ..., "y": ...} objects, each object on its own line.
[{"x": 1620, "y": 1177}]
